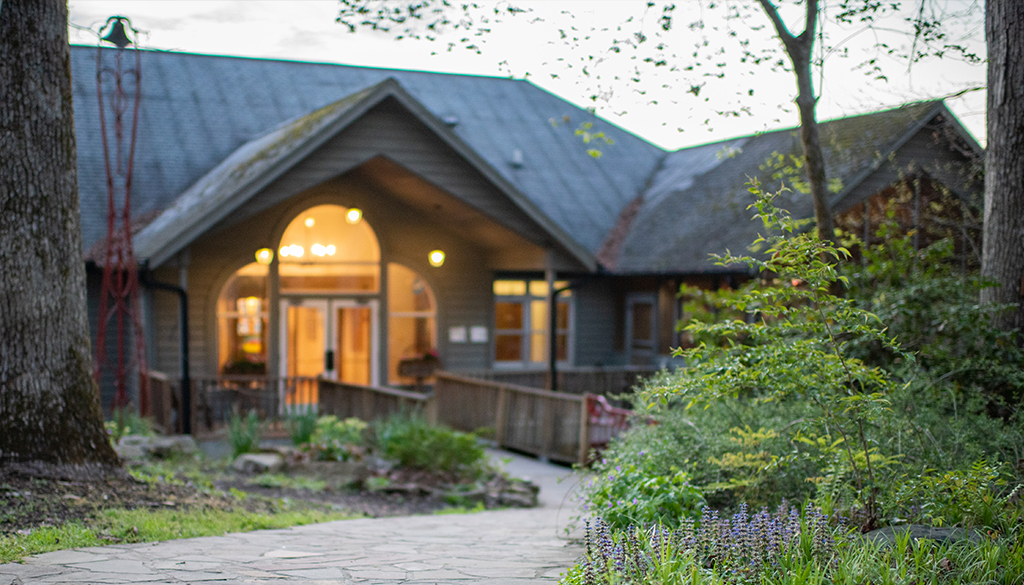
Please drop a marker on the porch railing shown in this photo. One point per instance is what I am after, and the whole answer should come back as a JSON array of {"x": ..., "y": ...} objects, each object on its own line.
[
  {"x": 608, "y": 382},
  {"x": 370, "y": 402},
  {"x": 215, "y": 400},
  {"x": 547, "y": 424},
  {"x": 561, "y": 426}
]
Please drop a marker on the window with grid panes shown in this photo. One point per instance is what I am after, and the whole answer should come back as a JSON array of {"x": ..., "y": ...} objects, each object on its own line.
[{"x": 521, "y": 322}]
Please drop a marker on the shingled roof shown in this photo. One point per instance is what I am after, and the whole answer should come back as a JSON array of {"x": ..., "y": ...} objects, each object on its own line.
[
  {"x": 697, "y": 203},
  {"x": 211, "y": 125},
  {"x": 197, "y": 110}
]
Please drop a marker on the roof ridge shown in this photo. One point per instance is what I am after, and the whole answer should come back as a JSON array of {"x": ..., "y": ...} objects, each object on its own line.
[
  {"x": 304, "y": 62},
  {"x": 820, "y": 123}
]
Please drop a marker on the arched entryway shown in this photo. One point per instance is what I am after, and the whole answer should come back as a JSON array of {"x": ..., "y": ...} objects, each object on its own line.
[
  {"x": 332, "y": 306},
  {"x": 329, "y": 286}
]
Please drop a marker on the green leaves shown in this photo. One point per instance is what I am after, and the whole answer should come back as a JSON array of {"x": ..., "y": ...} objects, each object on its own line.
[{"x": 785, "y": 337}]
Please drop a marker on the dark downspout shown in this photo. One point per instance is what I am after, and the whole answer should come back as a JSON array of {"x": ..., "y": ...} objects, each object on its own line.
[
  {"x": 553, "y": 336},
  {"x": 186, "y": 379}
]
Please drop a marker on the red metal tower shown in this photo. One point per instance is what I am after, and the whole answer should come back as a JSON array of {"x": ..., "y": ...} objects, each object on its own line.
[{"x": 119, "y": 294}]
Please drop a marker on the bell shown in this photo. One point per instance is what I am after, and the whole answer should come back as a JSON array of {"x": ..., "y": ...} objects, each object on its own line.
[{"x": 117, "y": 35}]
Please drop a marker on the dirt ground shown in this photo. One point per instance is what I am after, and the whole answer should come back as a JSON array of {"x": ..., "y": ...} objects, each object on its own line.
[{"x": 30, "y": 502}]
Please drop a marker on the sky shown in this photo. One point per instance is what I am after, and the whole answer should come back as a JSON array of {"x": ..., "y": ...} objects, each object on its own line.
[{"x": 687, "y": 86}]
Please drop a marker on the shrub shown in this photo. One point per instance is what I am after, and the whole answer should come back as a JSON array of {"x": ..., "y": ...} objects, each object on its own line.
[
  {"x": 337, "y": 440},
  {"x": 792, "y": 347},
  {"x": 714, "y": 446},
  {"x": 244, "y": 434},
  {"x": 628, "y": 494},
  {"x": 412, "y": 442}
]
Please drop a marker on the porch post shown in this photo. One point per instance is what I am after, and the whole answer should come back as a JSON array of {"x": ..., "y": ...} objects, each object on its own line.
[
  {"x": 549, "y": 276},
  {"x": 273, "y": 321},
  {"x": 187, "y": 414}
]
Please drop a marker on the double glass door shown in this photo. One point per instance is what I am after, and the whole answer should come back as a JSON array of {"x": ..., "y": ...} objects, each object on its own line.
[{"x": 330, "y": 338}]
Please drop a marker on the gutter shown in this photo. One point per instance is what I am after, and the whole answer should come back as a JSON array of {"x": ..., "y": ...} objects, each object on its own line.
[{"x": 186, "y": 380}]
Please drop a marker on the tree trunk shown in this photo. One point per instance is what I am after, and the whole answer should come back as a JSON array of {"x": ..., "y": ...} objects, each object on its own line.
[
  {"x": 1002, "y": 259},
  {"x": 49, "y": 405},
  {"x": 800, "y": 49}
]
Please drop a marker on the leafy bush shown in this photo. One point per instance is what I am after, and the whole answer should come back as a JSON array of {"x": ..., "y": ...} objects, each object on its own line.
[
  {"x": 627, "y": 494},
  {"x": 412, "y": 442},
  {"x": 792, "y": 347},
  {"x": 805, "y": 394},
  {"x": 932, "y": 308},
  {"x": 337, "y": 440},
  {"x": 717, "y": 447},
  {"x": 977, "y": 496},
  {"x": 301, "y": 424},
  {"x": 244, "y": 434}
]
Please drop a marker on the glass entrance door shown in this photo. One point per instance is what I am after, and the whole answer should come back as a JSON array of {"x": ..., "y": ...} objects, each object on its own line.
[{"x": 330, "y": 338}]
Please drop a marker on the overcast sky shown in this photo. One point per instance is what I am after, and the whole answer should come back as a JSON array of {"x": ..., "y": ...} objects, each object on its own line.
[{"x": 598, "y": 58}]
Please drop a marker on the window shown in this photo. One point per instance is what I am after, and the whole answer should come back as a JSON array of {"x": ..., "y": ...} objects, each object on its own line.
[
  {"x": 412, "y": 329},
  {"x": 521, "y": 322},
  {"x": 327, "y": 248},
  {"x": 242, "y": 313}
]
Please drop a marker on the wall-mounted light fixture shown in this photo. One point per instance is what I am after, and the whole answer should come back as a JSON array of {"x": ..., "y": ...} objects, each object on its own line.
[
  {"x": 436, "y": 258},
  {"x": 354, "y": 215},
  {"x": 294, "y": 250},
  {"x": 264, "y": 256},
  {"x": 310, "y": 222}
]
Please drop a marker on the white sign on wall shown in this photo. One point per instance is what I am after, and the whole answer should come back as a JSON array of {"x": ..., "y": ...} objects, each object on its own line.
[
  {"x": 457, "y": 334},
  {"x": 478, "y": 334}
]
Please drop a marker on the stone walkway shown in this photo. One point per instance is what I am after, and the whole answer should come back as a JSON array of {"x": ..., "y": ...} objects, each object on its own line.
[{"x": 513, "y": 547}]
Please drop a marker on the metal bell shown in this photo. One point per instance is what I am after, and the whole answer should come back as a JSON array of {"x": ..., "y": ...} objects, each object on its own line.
[{"x": 117, "y": 34}]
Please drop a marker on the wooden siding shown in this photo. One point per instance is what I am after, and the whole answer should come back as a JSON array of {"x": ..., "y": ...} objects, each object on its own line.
[{"x": 594, "y": 313}]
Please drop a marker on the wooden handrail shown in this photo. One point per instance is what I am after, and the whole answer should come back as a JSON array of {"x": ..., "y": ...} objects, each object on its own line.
[
  {"x": 396, "y": 392},
  {"x": 515, "y": 387}
]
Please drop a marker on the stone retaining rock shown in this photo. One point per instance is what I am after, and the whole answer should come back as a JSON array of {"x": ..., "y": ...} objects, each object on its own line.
[
  {"x": 134, "y": 448},
  {"x": 258, "y": 463}
]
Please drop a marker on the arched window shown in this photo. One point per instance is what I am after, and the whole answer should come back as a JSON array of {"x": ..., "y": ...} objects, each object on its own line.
[
  {"x": 242, "y": 313},
  {"x": 412, "y": 326},
  {"x": 329, "y": 248}
]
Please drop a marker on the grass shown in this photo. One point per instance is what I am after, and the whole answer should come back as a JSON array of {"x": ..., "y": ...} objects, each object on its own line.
[
  {"x": 143, "y": 525},
  {"x": 280, "y": 480}
]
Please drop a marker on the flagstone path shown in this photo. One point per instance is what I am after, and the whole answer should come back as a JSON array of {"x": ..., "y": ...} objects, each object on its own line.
[{"x": 505, "y": 547}]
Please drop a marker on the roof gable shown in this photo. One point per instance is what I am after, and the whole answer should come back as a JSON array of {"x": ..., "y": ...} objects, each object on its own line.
[
  {"x": 698, "y": 200},
  {"x": 259, "y": 162}
]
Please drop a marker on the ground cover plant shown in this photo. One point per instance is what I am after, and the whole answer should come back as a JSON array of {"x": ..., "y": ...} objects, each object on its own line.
[{"x": 784, "y": 547}]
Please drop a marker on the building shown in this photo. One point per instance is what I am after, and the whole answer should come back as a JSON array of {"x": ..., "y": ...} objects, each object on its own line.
[{"x": 396, "y": 214}]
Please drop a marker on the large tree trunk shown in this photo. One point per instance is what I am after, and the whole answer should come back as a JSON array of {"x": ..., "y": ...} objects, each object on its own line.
[
  {"x": 49, "y": 407},
  {"x": 1002, "y": 259}
]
